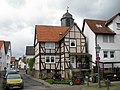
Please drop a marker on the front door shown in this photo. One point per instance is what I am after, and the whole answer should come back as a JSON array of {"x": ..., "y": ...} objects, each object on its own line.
[{"x": 73, "y": 61}]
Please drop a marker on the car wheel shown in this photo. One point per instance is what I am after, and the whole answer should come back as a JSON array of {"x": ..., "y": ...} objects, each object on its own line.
[
  {"x": 22, "y": 87},
  {"x": 5, "y": 88}
]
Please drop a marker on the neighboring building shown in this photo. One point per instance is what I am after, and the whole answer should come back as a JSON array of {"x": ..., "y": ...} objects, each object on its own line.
[
  {"x": 106, "y": 33},
  {"x": 60, "y": 48},
  {"x": 5, "y": 54},
  {"x": 30, "y": 53},
  {"x": 8, "y": 53},
  {"x": 21, "y": 63},
  {"x": 2, "y": 56},
  {"x": 12, "y": 62}
]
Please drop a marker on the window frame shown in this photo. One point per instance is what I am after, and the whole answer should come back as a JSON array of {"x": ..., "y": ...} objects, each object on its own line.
[
  {"x": 71, "y": 41},
  {"x": 49, "y": 45},
  {"x": 112, "y": 52},
  {"x": 105, "y": 39},
  {"x": 108, "y": 39},
  {"x": 50, "y": 59},
  {"x": 111, "y": 39},
  {"x": 118, "y": 25},
  {"x": 105, "y": 52}
]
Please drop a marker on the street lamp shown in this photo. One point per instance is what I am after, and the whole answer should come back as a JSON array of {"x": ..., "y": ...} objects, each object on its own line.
[{"x": 97, "y": 59}]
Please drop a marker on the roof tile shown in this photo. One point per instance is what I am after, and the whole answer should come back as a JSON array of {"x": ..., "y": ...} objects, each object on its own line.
[
  {"x": 98, "y": 30},
  {"x": 50, "y": 33}
]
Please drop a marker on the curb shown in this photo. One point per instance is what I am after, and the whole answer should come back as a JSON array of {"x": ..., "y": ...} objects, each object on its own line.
[{"x": 39, "y": 80}]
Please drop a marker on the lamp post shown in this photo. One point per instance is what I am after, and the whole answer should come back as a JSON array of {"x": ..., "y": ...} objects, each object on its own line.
[{"x": 97, "y": 59}]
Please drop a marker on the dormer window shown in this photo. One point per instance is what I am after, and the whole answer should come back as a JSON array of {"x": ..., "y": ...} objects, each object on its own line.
[
  {"x": 98, "y": 25},
  {"x": 72, "y": 43}
]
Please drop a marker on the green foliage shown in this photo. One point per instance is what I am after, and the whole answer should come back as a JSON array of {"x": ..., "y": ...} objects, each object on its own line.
[
  {"x": 31, "y": 62},
  {"x": 62, "y": 81}
]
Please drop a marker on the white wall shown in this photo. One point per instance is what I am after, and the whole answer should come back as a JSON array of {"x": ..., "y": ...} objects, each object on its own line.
[
  {"x": 2, "y": 59},
  {"x": 90, "y": 38}
]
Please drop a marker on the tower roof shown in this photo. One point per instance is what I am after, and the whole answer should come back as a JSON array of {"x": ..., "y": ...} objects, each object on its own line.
[{"x": 67, "y": 14}]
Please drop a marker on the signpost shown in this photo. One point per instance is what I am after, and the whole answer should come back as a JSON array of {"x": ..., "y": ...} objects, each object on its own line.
[{"x": 98, "y": 59}]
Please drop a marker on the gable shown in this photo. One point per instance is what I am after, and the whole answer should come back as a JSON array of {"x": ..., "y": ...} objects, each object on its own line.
[
  {"x": 111, "y": 19},
  {"x": 1, "y": 43},
  {"x": 74, "y": 32},
  {"x": 97, "y": 26},
  {"x": 7, "y": 45}
]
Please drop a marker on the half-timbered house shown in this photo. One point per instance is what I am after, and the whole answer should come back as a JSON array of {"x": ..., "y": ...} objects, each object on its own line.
[{"x": 60, "y": 49}]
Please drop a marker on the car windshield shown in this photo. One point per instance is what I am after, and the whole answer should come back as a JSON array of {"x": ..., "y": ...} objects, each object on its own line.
[{"x": 13, "y": 76}]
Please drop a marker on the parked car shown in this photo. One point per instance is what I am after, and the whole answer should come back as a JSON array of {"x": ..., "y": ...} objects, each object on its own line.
[
  {"x": 12, "y": 80},
  {"x": 77, "y": 78},
  {"x": 12, "y": 71}
]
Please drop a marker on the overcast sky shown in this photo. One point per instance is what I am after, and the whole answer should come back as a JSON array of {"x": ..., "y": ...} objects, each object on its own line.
[{"x": 19, "y": 17}]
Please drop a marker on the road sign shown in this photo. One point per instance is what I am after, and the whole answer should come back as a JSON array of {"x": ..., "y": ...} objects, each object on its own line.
[{"x": 97, "y": 58}]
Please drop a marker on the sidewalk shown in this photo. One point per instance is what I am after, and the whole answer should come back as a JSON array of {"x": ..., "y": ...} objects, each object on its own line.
[{"x": 92, "y": 86}]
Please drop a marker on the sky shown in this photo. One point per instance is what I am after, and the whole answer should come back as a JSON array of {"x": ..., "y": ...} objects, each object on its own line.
[{"x": 19, "y": 17}]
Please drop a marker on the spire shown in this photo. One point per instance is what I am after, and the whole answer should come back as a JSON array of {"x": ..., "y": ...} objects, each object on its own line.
[
  {"x": 67, "y": 9},
  {"x": 67, "y": 19}
]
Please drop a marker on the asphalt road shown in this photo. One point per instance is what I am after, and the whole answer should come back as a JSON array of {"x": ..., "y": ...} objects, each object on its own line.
[{"x": 31, "y": 84}]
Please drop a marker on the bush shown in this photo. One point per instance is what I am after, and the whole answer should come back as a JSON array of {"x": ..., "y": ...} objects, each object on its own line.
[{"x": 62, "y": 81}]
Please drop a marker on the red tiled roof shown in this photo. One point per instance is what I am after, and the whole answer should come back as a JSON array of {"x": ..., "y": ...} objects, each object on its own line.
[
  {"x": 12, "y": 59},
  {"x": 98, "y": 30},
  {"x": 50, "y": 33},
  {"x": 1, "y": 43}
]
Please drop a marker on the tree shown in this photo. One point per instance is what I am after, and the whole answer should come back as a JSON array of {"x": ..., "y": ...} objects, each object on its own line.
[{"x": 31, "y": 62}]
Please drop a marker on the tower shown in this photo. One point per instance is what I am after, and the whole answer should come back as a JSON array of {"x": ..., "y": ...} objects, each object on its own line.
[{"x": 67, "y": 19}]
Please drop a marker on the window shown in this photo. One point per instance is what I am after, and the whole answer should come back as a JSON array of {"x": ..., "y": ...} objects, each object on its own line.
[
  {"x": 98, "y": 25},
  {"x": 105, "y": 38},
  {"x": 111, "y": 39},
  {"x": 49, "y": 59},
  {"x": 72, "y": 43},
  {"x": 112, "y": 54},
  {"x": 118, "y": 25},
  {"x": 52, "y": 59},
  {"x": 108, "y": 38},
  {"x": 105, "y": 54},
  {"x": 50, "y": 45}
]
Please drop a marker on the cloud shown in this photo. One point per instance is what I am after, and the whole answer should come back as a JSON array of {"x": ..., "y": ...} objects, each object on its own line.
[{"x": 18, "y": 17}]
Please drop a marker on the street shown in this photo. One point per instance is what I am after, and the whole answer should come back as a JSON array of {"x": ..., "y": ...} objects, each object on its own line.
[{"x": 31, "y": 84}]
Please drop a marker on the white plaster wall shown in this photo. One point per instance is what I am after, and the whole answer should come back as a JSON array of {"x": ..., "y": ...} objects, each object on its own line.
[
  {"x": 3, "y": 59},
  {"x": 90, "y": 38}
]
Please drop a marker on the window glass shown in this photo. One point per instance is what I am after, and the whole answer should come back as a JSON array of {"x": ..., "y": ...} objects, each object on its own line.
[
  {"x": 52, "y": 59},
  {"x": 111, "y": 39},
  {"x": 47, "y": 59},
  {"x": 72, "y": 43},
  {"x": 118, "y": 25},
  {"x": 50, "y": 45},
  {"x": 112, "y": 54},
  {"x": 105, "y": 38},
  {"x": 13, "y": 76},
  {"x": 105, "y": 54}
]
